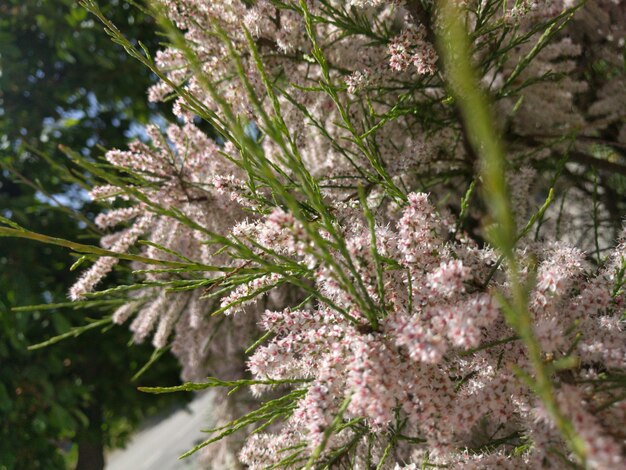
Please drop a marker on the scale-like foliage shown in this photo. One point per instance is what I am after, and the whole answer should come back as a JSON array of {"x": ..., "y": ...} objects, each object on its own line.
[{"x": 396, "y": 319}]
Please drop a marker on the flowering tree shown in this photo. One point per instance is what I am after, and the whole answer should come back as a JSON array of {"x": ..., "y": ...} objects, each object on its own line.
[{"x": 326, "y": 255}]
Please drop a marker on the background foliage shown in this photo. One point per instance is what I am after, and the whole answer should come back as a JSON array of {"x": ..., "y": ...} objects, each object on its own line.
[{"x": 62, "y": 81}]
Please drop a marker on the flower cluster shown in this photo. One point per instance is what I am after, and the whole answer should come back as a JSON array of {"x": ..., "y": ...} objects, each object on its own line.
[
  {"x": 411, "y": 48},
  {"x": 333, "y": 233},
  {"x": 441, "y": 364}
]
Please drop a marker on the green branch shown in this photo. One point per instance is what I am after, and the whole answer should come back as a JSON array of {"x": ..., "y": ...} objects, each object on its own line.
[{"x": 479, "y": 121}]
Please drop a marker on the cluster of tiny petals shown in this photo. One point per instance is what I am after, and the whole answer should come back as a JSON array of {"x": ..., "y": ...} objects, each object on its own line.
[
  {"x": 104, "y": 265},
  {"x": 279, "y": 232},
  {"x": 357, "y": 81},
  {"x": 371, "y": 378},
  {"x": 168, "y": 320},
  {"x": 377, "y": 371},
  {"x": 372, "y": 365},
  {"x": 367, "y": 3},
  {"x": 316, "y": 411},
  {"x": 423, "y": 343},
  {"x": 178, "y": 166},
  {"x": 105, "y": 193},
  {"x": 556, "y": 274},
  {"x": 124, "y": 312},
  {"x": 144, "y": 322},
  {"x": 234, "y": 188},
  {"x": 417, "y": 240},
  {"x": 447, "y": 280},
  {"x": 428, "y": 336},
  {"x": 117, "y": 216},
  {"x": 266, "y": 449},
  {"x": 411, "y": 48},
  {"x": 248, "y": 293},
  {"x": 142, "y": 158},
  {"x": 281, "y": 322}
]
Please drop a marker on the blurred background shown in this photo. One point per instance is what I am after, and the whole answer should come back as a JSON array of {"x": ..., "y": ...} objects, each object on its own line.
[{"x": 63, "y": 82}]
